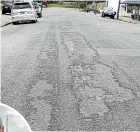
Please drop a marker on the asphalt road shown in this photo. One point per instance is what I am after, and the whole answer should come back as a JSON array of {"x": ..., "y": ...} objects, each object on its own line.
[{"x": 73, "y": 71}]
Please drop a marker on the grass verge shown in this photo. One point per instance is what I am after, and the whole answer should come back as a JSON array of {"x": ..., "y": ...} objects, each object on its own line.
[{"x": 62, "y": 6}]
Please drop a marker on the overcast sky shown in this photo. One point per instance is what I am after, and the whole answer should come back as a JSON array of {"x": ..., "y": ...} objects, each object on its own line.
[{"x": 15, "y": 122}]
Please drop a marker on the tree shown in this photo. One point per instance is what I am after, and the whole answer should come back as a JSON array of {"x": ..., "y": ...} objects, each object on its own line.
[{"x": 83, "y": 4}]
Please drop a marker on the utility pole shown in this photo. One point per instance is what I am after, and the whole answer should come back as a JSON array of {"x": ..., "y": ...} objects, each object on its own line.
[
  {"x": 95, "y": 1},
  {"x": 95, "y": 4},
  {"x": 118, "y": 9},
  {"x": 79, "y": 5},
  {"x": 85, "y": 4},
  {"x": 6, "y": 123},
  {"x": 96, "y": 7},
  {"x": 106, "y": 3}
]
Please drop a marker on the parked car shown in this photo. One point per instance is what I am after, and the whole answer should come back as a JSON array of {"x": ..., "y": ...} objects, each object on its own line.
[
  {"x": 22, "y": 12},
  {"x": 38, "y": 8},
  {"x": 108, "y": 12},
  {"x": 89, "y": 8},
  {"x": 45, "y": 4},
  {"x": 7, "y": 6},
  {"x": 40, "y": 2},
  {"x": 100, "y": 10}
]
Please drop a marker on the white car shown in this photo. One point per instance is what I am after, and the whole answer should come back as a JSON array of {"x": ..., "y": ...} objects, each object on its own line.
[{"x": 22, "y": 12}]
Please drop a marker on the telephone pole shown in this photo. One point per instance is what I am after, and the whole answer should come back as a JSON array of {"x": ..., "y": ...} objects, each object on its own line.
[
  {"x": 95, "y": 8},
  {"x": 96, "y": 4},
  {"x": 118, "y": 12}
]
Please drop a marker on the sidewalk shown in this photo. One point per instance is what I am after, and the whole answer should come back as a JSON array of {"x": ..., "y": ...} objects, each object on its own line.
[
  {"x": 129, "y": 20},
  {"x": 124, "y": 19},
  {"x": 5, "y": 20}
]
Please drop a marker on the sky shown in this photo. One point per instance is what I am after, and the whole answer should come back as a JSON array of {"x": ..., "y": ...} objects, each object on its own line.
[{"x": 15, "y": 122}]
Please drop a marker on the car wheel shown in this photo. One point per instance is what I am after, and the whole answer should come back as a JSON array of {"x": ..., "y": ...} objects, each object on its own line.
[
  {"x": 40, "y": 15},
  {"x": 14, "y": 23},
  {"x": 3, "y": 12},
  {"x": 34, "y": 21},
  {"x": 112, "y": 17}
]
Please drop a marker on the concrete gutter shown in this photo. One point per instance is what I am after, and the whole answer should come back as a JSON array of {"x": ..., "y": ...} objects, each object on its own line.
[
  {"x": 6, "y": 24},
  {"x": 128, "y": 20}
]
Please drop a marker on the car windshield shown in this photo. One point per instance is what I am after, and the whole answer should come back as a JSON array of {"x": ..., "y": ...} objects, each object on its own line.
[
  {"x": 109, "y": 8},
  {"x": 21, "y": 5},
  {"x": 39, "y": 2},
  {"x": 9, "y": 3},
  {"x": 36, "y": 4}
]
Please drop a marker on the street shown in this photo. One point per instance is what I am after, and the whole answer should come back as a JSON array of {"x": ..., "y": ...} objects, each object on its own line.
[{"x": 73, "y": 71}]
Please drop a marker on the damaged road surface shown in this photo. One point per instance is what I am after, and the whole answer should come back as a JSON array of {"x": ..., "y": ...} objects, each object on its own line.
[{"x": 73, "y": 71}]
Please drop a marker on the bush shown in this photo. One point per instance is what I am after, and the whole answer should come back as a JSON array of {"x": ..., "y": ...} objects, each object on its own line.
[
  {"x": 83, "y": 5},
  {"x": 52, "y": 2}
]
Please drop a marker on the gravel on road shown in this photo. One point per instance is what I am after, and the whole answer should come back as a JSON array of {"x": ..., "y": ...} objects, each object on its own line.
[{"x": 73, "y": 71}]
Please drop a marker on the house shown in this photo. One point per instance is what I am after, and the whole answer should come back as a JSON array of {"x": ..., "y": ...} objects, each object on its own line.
[
  {"x": 130, "y": 6},
  {"x": 115, "y": 4},
  {"x": 126, "y": 6}
]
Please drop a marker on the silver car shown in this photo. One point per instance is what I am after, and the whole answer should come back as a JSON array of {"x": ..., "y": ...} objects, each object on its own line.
[{"x": 22, "y": 12}]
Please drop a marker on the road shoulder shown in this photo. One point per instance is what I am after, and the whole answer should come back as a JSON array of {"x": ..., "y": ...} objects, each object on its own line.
[{"x": 129, "y": 20}]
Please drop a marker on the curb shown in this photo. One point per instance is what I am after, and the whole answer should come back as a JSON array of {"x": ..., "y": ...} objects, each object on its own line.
[
  {"x": 6, "y": 24},
  {"x": 128, "y": 21}
]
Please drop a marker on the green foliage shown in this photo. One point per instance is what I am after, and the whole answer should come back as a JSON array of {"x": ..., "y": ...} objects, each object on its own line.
[
  {"x": 52, "y": 2},
  {"x": 61, "y": 5},
  {"x": 89, "y": 2},
  {"x": 83, "y": 4}
]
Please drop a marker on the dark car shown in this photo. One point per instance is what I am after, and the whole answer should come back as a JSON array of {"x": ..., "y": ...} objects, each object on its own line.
[
  {"x": 7, "y": 6},
  {"x": 108, "y": 12}
]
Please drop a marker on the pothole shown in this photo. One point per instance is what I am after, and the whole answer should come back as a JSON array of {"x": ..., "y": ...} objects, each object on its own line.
[{"x": 95, "y": 86}]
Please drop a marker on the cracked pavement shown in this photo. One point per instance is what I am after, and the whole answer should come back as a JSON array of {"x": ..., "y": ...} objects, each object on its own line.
[{"x": 73, "y": 71}]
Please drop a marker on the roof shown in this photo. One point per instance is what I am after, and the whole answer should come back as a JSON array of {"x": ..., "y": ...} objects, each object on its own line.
[
  {"x": 131, "y": 2},
  {"x": 97, "y": 1}
]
